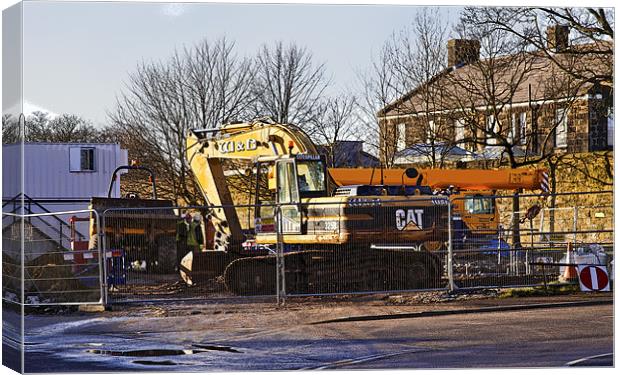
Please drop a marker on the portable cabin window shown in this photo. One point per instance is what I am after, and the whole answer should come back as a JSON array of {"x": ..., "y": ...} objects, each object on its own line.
[{"x": 82, "y": 159}]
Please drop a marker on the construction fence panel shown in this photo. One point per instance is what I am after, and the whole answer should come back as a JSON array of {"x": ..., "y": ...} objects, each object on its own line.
[
  {"x": 57, "y": 267},
  {"x": 496, "y": 246},
  {"x": 580, "y": 218},
  {"x": 148, "y": 257},
  {"x": 12, "y": 258},
  {"x": 364, "y": 245}
]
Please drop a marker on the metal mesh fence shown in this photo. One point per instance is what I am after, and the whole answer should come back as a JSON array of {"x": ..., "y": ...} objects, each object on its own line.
[
  {"x": 366, "y": 245},
  {"x": 338, "y": 245},
  {"x": 57, "y": 267},
  {"x": 522, "y": 248},
  {"x": 150, "y": 255},
  {"x": 12, "y": 257}
]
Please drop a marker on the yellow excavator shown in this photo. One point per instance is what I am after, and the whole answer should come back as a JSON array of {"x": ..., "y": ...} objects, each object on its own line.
[
  {"x": 359, "y": 237},
  {"x": 289, "y": 172}
]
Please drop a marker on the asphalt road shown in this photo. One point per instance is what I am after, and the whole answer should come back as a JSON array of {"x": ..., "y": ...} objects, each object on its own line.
[{"x": 284, "y": 340}]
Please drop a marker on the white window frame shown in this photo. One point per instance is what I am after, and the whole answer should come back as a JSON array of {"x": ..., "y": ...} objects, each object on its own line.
[
  {"x": 459, "y": 132},
  {"x": 523, "y": 127},
  {"x": 561, "y": 129},
  {"x": 512, "y": 134},
  {"x": 431, "y": 131},
  {"x": 491, "y": 128},
  {"x": 401, "y": 136}
]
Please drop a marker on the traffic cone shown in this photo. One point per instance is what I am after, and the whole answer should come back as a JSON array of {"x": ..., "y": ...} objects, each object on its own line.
[{"x": 570, "y": 272}]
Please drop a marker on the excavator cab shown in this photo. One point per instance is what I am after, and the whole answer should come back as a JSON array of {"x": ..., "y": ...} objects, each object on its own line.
[{"x": 290, "y": 180}]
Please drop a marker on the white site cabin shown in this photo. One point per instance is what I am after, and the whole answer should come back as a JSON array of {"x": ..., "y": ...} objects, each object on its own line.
[{"x": 57, "y": 177}]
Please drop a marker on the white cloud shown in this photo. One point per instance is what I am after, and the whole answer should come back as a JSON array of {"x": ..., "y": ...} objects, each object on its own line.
[
  {"x": 173, "y": 9},
  {"x": 29, "y": 108}
]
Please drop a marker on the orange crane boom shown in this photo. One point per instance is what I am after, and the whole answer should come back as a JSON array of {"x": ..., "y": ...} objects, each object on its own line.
[{"x": 466, "y": 179}]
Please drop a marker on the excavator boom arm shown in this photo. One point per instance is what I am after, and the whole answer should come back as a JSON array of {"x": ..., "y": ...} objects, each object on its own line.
[{"x": 253, "y": 141}]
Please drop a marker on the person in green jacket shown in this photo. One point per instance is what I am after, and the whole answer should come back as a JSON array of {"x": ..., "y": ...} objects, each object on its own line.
[
  {"x": 183, "y": 229},
  {"x": 195, "y": 239}
]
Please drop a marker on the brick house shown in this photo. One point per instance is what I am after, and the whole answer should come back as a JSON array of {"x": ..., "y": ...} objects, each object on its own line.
[{"x": 536, "y": 107}]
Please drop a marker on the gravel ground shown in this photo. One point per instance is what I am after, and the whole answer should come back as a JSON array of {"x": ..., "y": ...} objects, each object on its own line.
[{"x": 323, "y": 307}]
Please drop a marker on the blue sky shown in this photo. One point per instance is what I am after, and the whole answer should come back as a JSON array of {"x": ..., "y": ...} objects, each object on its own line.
[{"x": 77, "y": 55}]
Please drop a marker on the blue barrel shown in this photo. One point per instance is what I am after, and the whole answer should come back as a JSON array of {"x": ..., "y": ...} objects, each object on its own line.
[{"x": 116, "y": 267}]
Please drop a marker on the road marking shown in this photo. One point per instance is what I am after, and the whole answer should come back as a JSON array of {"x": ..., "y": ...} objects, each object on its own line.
[{"x": 578, "y": 361}]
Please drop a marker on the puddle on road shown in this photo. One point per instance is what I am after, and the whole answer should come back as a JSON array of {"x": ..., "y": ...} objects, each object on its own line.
[
  {"x": 32, "y": 343},
  {"x": 163, "y": 352},
  {"x": 217, "y": 347},
  {"x": 155, "y": 363},
  {"x": 146, "y": 352}
]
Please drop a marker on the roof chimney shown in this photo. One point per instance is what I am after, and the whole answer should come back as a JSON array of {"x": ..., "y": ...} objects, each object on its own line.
[
  {"x": 463, "y": 51},
  {"x": 557, "y": 38}
]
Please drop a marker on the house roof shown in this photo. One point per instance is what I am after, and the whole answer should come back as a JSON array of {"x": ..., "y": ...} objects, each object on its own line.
[
  {"x": 518, "y": 78},
  {"x": 421, "y": 152},
  {"x": 495, "y": 152},
  {"x": 349, "y": 153}
]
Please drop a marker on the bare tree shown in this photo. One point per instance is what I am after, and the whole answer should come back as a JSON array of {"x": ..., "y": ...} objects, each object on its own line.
[
  {"x": 406, "y": 70},
  {"x": 419, "y": 55},
  {"x": 288, "y": 83},
  {"x": 510, "y": 72},
  {"x": 72, "y": 128},
  {"x": 332, "y": 124},
  {"x": 379, "y": 88},
  {"x": 203, "y": 86},
  {"x": 40, "y": 127},
  {"x": 581, "y": 59},
  {"x": 591, "y": 32},
  {"x": 10, "y": 129}
]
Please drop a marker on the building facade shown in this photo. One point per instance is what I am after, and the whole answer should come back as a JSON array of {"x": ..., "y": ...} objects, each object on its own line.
[{"x": 524, "y": 102}]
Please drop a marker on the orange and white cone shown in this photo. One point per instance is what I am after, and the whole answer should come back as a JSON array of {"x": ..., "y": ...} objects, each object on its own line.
[{"x": 570, "y": 272}]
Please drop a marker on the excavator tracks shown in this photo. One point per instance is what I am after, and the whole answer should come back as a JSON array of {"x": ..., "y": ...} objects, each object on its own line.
[{"x": 336, "y": 271}]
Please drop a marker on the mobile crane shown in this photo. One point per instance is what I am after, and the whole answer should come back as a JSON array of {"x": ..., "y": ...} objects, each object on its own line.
[
  {"x": 474, "y": 210},
  {"x": 364, "y": 237}
]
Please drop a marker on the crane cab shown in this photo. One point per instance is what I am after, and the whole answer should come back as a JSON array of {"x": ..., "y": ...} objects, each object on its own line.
[{"x": 475, "y": 217}]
